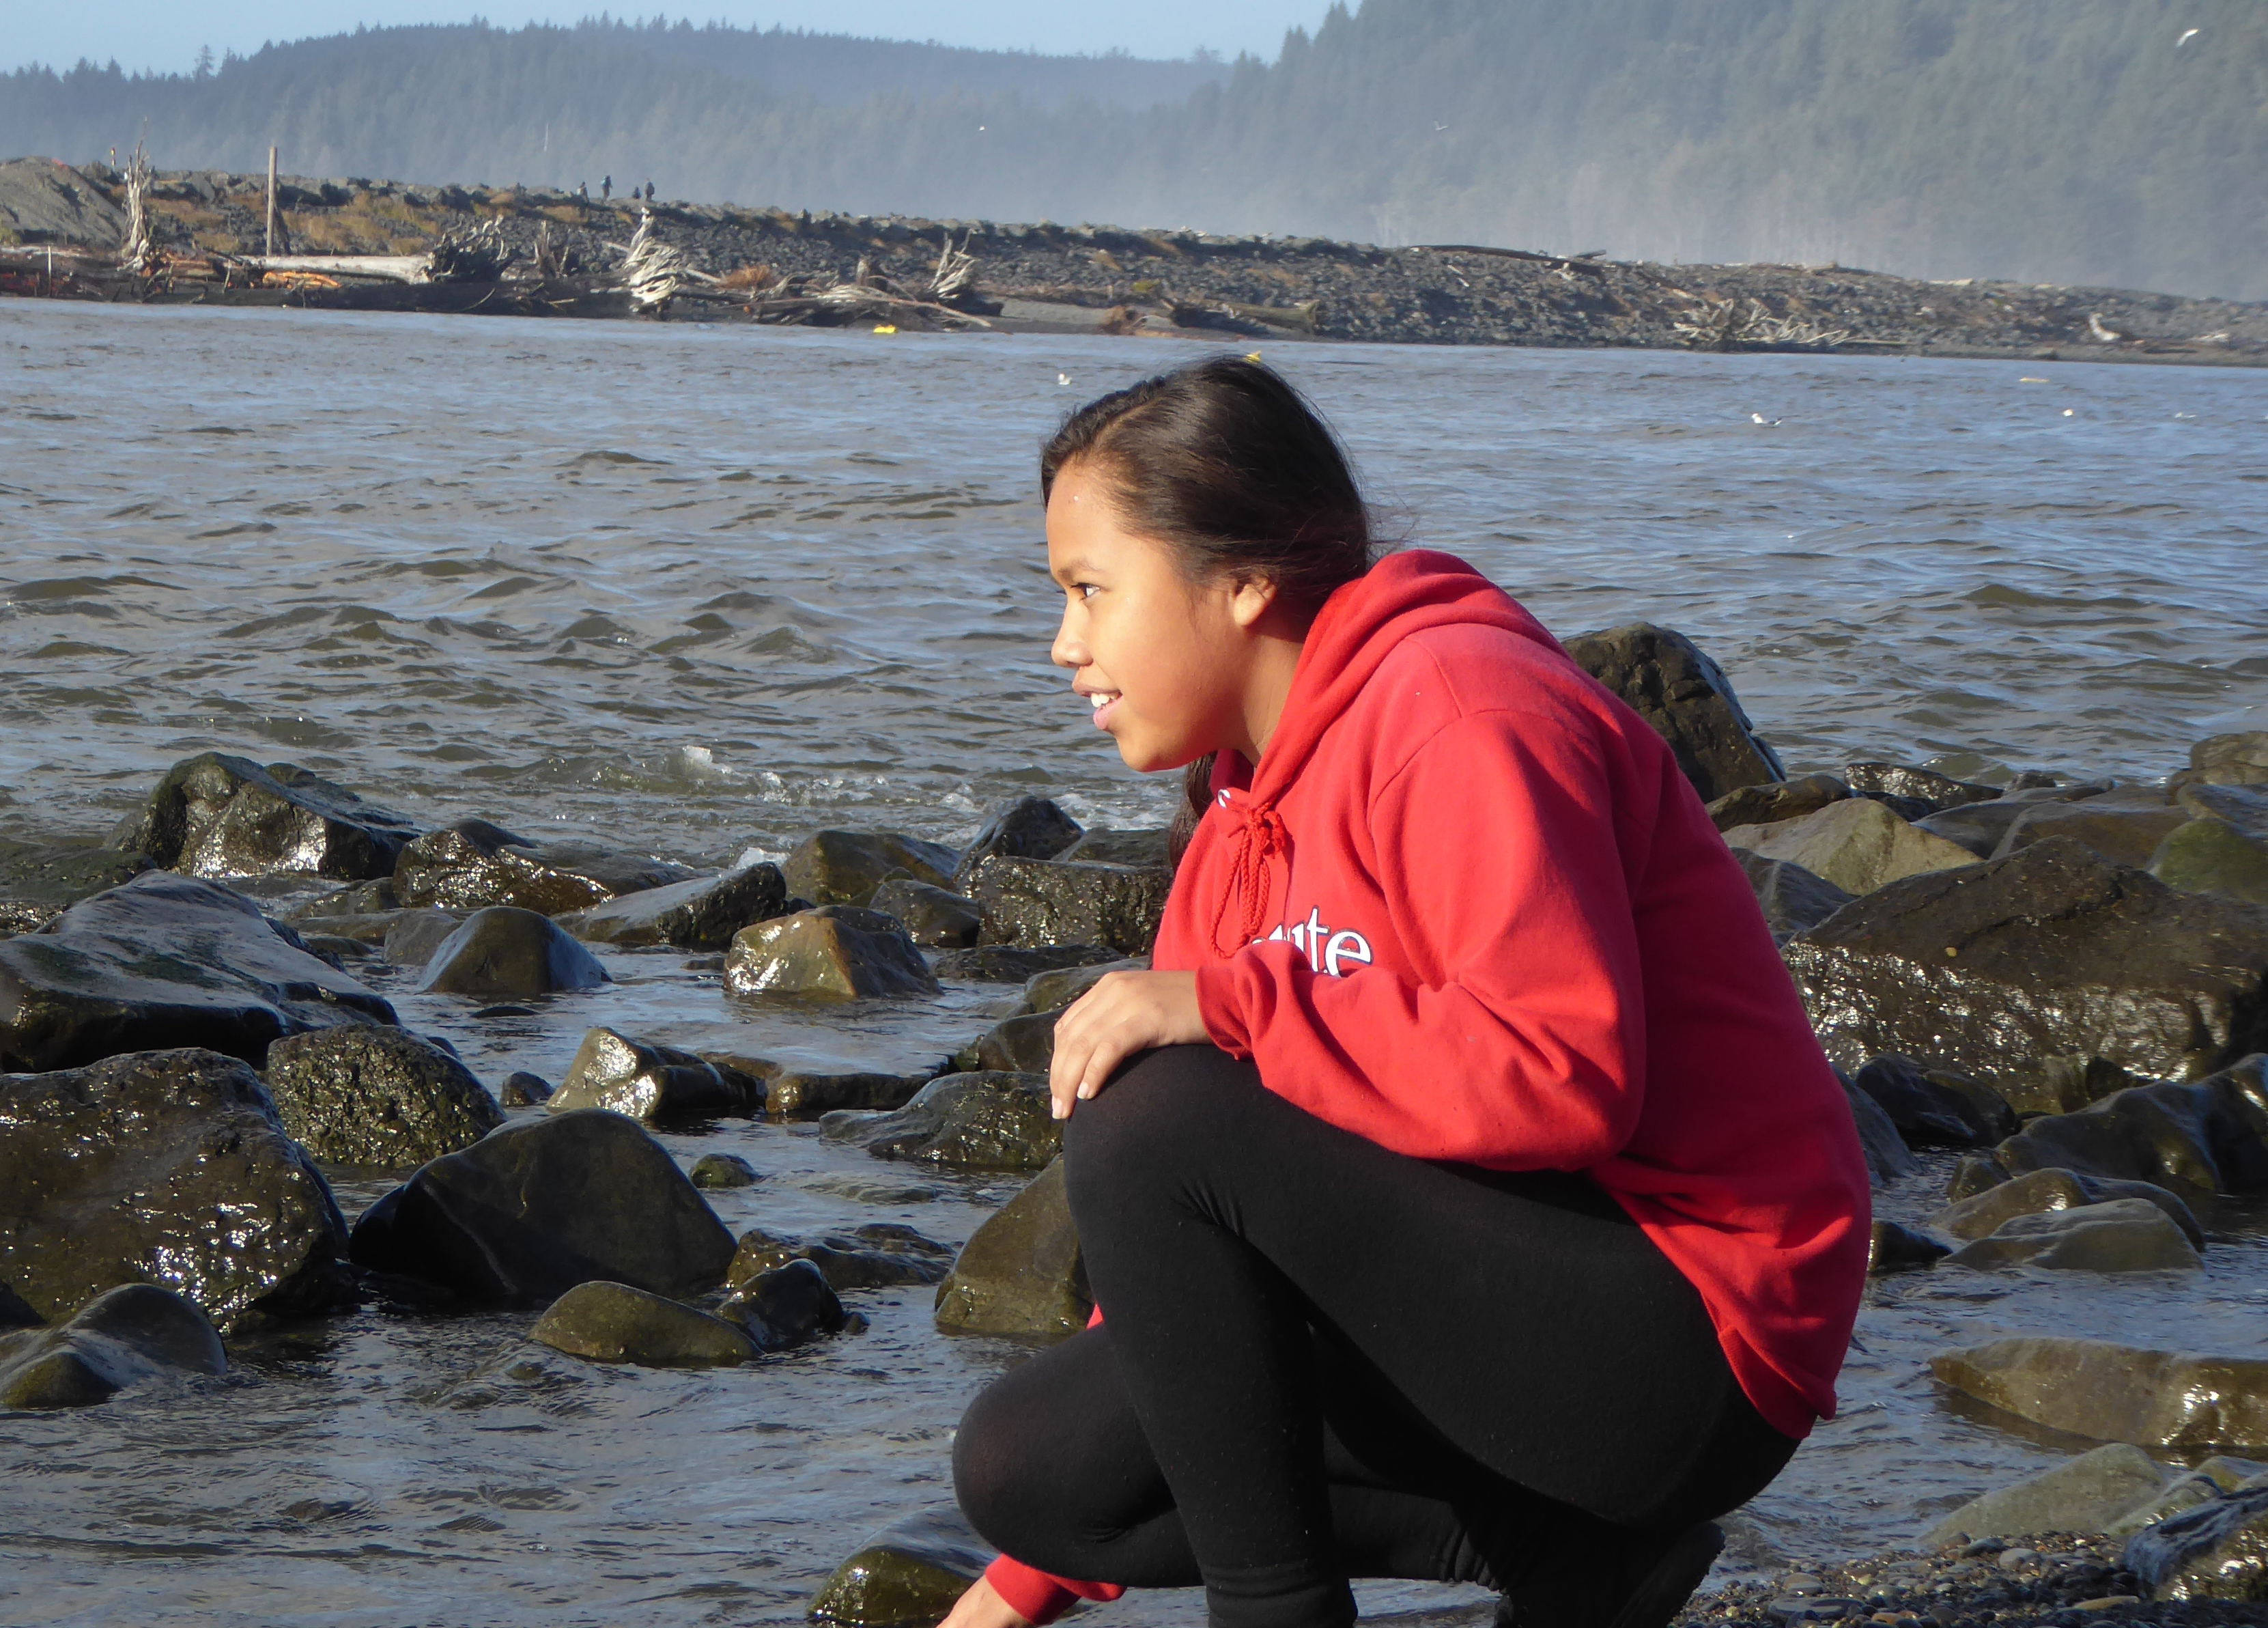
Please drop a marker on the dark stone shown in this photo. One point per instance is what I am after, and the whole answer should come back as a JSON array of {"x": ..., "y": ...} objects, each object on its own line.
[
  {"x": 123, "y": 1337},
  {"x": 163, "y": 962},
  {"x": 703, "y": 914},
  {"x": 2124, "y": 827},
  {"x": 412, "y": 936},
  {"x": 2218, "y": 1550},
  {"x": 907, "y": 1575},
  {"x": 976, "y": 1121},
  {"x": 2118, "y": 1393},
  {"x": 723, "y": 1170},
  {"x": 2223, "y": 850},
  {"x": 1981, "y": 1214},
  {"x": 382, "y": 1097},
  {"x": 793, "y": 1095},
  {"x": 1003, "y": 963},
  {"x": 1146, "y": 850},
  {"x": 836, "y": 951},
  {"x": 504, "y": 950},
  {"x": 930, "y": 915},
  {"x": 528, "y": 1212},
  {"x": 14, "y": 1313},
  {"x": 370, "y": 898},
  {"x": 654, "y": 1083},
  {"x": 169, "y": 1168},
  {"x": 1921, "y": 785},
  {"x": 881, "y": 1254},
  {"x": 522, "y": 1089},
  {"x": 1686, "y": 699},
  {"x": 2208, "y": 1137},
  {"x": 1022, "y": 1274},
  {"x": 1857, "y": 844},
  {"x": 38, "y": 883},
  {"x": 1979, "y": 827},
  {"x": 2116, "y": 1235},
  {"x": 2228, "y": 759},
  {"x": 1937, "y": 1107},
  {"x": 788, "y": 1306},
  {"x": 1052, "y": 992},
  {"x": 1028, "y": 901},
  {"x": 1019, "y": 1045},
  {"x": 1888, "y": 1157},
  {"x": 472, "y": 865},
  {"x": 2053, "y": 952},
  {"x": 1774, "y": 800},
  {"x": 1894, "y": 1249},
  {"x": 844, "y": 867},
  {"x": 217, "y": 815},
  {"x": 1030, "y": 827},
  {"x": 615, "y": 1322},
  {"x": 1791, "y": 898}
]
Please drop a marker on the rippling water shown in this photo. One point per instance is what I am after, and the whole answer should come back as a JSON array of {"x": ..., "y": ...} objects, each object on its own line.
[{"x": 694, "y": 590}]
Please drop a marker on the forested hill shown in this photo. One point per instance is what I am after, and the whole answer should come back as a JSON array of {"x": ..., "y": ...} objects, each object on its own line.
[{"x": 2119, "y": 142}]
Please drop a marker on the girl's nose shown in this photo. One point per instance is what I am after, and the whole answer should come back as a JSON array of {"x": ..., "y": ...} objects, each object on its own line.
[{"x": 1069, "y": 649}]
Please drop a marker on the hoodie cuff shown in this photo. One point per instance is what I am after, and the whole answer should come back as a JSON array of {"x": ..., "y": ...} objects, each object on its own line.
[
  {"x": 1037, "y": 1597},
  {"x": 1220, "y": 1008}
]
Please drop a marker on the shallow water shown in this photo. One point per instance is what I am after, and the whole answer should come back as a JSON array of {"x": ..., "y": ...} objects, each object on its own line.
[{"x": 695, "y": 591}]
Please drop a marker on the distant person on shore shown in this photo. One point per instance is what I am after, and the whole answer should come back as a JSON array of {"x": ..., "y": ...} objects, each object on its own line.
[
  {"x": 1464, "y": 1189},
  {"x": 649, "y": 192},
  {"x": 607, "y": 189},
  {"x": 583, "y": 190}
]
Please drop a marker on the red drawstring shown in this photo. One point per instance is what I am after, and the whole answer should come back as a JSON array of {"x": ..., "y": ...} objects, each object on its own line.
[{"x": 1259, "y": 837}]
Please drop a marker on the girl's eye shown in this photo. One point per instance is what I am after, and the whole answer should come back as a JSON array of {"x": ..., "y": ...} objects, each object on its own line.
[{"x": 1087, "y": 590}]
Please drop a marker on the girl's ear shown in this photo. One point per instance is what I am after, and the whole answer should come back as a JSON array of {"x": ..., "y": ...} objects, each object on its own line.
[{"x": 1249, "y": 599}]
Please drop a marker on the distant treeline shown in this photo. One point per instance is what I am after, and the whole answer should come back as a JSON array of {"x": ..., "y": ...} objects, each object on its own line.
[{"x": 2119, "y": 142}]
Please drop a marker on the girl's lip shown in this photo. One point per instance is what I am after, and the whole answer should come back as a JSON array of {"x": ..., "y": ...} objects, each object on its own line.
[{"x": 1103, "y": 713}]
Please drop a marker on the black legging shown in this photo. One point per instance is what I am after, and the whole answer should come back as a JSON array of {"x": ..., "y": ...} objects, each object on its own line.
[{"x": 1324, "y": 1360}]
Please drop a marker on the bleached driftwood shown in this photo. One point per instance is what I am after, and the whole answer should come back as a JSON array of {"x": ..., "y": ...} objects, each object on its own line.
[
  {"x": 1721, "y": 325},
  {"x": 140, "y": 253}
]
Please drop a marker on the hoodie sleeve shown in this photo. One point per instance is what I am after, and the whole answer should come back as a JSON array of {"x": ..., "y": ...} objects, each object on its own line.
[{"x": 1516, "y": 1039}]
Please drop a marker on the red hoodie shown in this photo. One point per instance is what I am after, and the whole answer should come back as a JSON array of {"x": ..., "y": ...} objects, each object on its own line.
[{"x": 1469, "y": 908}]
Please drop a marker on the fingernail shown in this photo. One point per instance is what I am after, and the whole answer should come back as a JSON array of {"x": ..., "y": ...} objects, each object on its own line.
[
  {"x": 1084, "y": 1092},
  {"x": 1059, "y": 1111}
]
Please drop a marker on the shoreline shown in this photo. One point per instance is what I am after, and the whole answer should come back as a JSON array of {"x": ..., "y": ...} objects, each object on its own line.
[{"x": 557, "y": 253}]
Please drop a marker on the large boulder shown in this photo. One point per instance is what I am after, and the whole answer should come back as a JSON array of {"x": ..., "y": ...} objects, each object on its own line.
[
  {"x": 2116, "y": 1235},
  {"x": 907, "y": 1575},
  {"x": 218, "y": 815},
  {"x": 835, "y": 951},
  {"x": 1005, "y": 963},
  {"x": 412, "y": 937},
  {"x": 2124, "y": 826},
  {"x": 1887, "y": 1156},
  {"x": 2118, "y": 1393},
  {"x": 789, "y": 1305},
  {"x": 39, "y": 881},
  {"x": 795, "y": 1093},
  {"x": 2081, "y": 1495},
  {"x": 1021, "y": 1275},
  {"x": 703, "y": 914},
  {"x": 381, "y": 1097},
  {"x": 1028, "y": 901},
  {"x": 2053, "y": 952},
  {"x": 615, "y": 1322},
  {"x": 1030, "y": 827},
  {"x": 169, "y": 1168},
  {"x": 166, "y": 962},
  {"x": 2218, "y": 1550},
  {"x": 1857, "y": 844},
  {"x": 2228, "y": 759},
  {"x": 844, "y": 867},
  {"x": 503, "y": 950},
  {"x": 1772, "y": 802},
  {"x": 1687, "y": 700},
  {"x": 1937, "y": 1107},
  {"x": 472, "y": 864},
  {"x": 1979, "y": 827},
  {"x": 1791, "y": 898},
  {"x": 930, "y": 915},
  {"x": 651, "y": 1082},
  {"x": 1057, "y": 988},
  {"x": 1908, "y": 785},
  {"x": 2036, "y": 1192},
  {"x": 123, "y": 1337},
  {"x": 1146, "y": 848},
  {"x": 974, "y": 1122},
  {"x": 879, "y": 1255},
  {"x": 2209, "y": 1136},
  {"x": 528, "y": 1212},
  {"x": 2223, "y": 849},
  {"x": 1024, "y": 1045}
]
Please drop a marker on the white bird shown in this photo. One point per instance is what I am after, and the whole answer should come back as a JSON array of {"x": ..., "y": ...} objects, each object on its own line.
[
  {"x": 1760, "y": 419},
  {"x": 2186, "y": 38},
  {"x": 1061, "y": 379}
]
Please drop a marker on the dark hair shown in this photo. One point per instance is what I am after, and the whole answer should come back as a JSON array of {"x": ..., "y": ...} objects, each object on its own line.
[{"x": 1230, "y": 467}]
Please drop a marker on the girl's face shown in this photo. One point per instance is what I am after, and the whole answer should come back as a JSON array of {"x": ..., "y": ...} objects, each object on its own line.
[{"x": 1163, "y": 660}]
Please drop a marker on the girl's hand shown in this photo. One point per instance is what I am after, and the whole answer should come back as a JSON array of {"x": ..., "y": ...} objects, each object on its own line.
[
  {"x": 1123, "y": 1014},
  {"x": 982, "y": 1607}
]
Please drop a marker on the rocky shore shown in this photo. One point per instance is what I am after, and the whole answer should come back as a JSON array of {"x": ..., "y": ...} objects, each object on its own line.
[
  {"x": 2064, "y": 982},
  {"x": 565, "y": 255}
]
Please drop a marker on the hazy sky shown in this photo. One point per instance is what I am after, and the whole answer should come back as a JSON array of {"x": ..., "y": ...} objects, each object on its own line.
[{"x": 163, "y": 35}]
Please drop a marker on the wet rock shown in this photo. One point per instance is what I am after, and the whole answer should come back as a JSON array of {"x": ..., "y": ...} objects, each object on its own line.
[
  {"x": 413, "y": 936},
  {"x": 2118, "y": 1393},
  {"x": 1030, "y": 827},
  {"x": 615, "y": 1322},
  {"x": 844, "y": 867},
  {"x": 1888, "y": 1157},
  {"x": 1981, "y": 1214},
  {"x": 1028, "y": 901},
  {"x": 2223, "y": 849},
  {"x": 794, "y": 1095},
  {"x": 930, "y": 915},
  {"x": 1147, "y": 849},
  {"x": 371, "y": 898},
  {"x": 1857, "y": 844},
  {"x": 1002, "y": 963},
  {"x": 1021, "y": 1275},
  {"x": 522, "y": 1089},
  {"x": 1974, "y": 1175},
  {"x": 717, "y": 1170},
  {"x": 2114, "y": 1235},
  {"x": 381, "y": 1097},
  {"x": 703, "y": 914},
  {"x": 39, "y": 881},
  {"x": 2227, "y": 760},
  {"x": 1687, "y": 699},
  {"x": 2065, "y": 1085},
  {"x": 2216, "y": 1551},
  {"x": 907, "y": 1575},
  {"x": 2210, "y": 1480},
  {"x": 2083, "y": 1494},
  {"x": 2124, "y": 827},
  {"x": 655, "y": 1083},
  {"x": 789, "y": 1305},
  {"x": 1919, "y": 785},
  {"x": 1053, "y": 990},
  {"x": 1791, "y": 898},
  {"x": 1019, "y": 1045},
  {"x": 1894, "y": 1249},
  {"x": 504, "y": 950},
  {"x": 2209, "y": 1136},
  {"x": 836, "y": 951},
  {"x": 165, "y": 960},
  {"x": 1775, "y": 800},
  {"x": 532, "y": 1209},
  {"x": 975, "y": 1122},
  {"x": 1937, "y": 1107},
  {"x": 2052, "y": 952},
  {"x": 169, "y": 1168},
  {"x": 217, "y": 815},
  {"x": 1980, "y": 827},
  {"x": 881, "y": 1254},
  {"x": 123, "y": 1337},
  {"x": 14, "y": 1313},
  {"x": 472, "y": 865}
]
